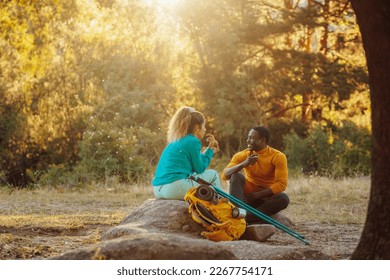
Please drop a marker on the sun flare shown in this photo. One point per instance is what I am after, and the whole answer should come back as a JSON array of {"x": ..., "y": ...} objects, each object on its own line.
[{"x": 164, "y": 3}]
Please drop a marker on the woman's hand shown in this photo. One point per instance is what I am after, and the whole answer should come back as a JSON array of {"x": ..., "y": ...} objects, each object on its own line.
[{"x": 213, "y": 144}]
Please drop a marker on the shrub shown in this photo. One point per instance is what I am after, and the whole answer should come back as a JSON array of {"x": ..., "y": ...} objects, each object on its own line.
[
  {"x": 343, "y": 152},
  {"x": 280, "y": 127},
  {"x": 127, "y": 153}
]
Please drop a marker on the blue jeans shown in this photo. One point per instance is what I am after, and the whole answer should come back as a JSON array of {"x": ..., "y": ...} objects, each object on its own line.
[{"x": 178, "y": 189}]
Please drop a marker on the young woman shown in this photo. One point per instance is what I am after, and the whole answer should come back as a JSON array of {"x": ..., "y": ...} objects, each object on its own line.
[{"x": 182, "y": 157}]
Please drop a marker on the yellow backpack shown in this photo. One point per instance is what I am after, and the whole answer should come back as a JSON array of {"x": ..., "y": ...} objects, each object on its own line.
[{"x": 215, "y": 214}]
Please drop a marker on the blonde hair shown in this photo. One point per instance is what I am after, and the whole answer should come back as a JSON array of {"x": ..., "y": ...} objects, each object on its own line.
[{"x": 183, "y": 122}]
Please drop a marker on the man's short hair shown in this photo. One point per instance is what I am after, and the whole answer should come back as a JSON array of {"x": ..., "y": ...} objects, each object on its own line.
[{"x": 263, "y": 131}]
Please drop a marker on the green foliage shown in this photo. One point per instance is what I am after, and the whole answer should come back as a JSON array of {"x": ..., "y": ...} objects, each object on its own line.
[
  {"x": 344, "y": 152},
  {"x": 281, "y": 127},
  {"x": 356, "y": 158},
  {"x": 45, "y": 120},
  {"x": 61, "y": 175},
  {"x": 258, "y": 63},
  {"x": 86, "y": 91},
  {"x": 123, "y": 151},
  {"x": 72, "y": 62}
]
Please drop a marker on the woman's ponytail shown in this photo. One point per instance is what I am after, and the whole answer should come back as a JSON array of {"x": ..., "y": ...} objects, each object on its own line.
[{"x": 183, "y": 122}]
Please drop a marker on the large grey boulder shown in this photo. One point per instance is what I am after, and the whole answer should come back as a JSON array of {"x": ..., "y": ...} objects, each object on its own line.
[
  {"x": 168, "y": 216},
  {"x": 163, "y": 229},
  {"x": 157, "y": 215},
  {"x": 152, "y": 246}
]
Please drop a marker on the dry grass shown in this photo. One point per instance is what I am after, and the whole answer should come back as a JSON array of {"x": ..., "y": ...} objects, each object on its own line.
[
  {"x": 318, "y": 199},
  {"x": 37, "y": 223},
  {"x": 69, "y": 208}
]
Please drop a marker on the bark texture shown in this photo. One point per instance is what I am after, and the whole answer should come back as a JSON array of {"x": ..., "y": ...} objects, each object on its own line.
[{"x": 374, "y": 21}]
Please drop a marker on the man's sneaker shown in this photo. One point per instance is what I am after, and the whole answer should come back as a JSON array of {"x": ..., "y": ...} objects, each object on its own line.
[{"x": 258, "y": 232}]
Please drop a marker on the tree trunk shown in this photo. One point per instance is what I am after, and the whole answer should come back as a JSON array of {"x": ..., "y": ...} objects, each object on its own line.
[
  {"x": 324, "y": 39},
  {"x": 373, "y": 19},
  {"x": 306, "y": 96}
]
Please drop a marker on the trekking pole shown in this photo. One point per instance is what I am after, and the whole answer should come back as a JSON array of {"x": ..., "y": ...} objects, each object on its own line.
[
  {"x": 247, "y": 207},
  {"x": 262, "y": 216},
  {"x": 255, "y": 212}
]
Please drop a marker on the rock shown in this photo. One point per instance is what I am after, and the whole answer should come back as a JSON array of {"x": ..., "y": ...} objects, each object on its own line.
[
  {"x": 163, "y": 229},
  {"x": 124, "y": 230},
  {"x": 279, "y": 217},
  {"x": 157, "y": 215},
  {"x": 259, "y": 232},
  {"x": 253, "y": 250},
  {"x": 186, "y": 228},
  {"x": 152, "y": 246},
  {"x": 282, "y": 219}
]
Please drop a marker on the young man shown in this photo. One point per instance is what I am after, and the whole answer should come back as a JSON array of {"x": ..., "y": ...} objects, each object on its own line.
[{"x": 264, "y": 176}]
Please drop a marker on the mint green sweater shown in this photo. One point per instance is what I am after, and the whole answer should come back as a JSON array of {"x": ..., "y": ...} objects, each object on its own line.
[{"x": 180, "y": 159}]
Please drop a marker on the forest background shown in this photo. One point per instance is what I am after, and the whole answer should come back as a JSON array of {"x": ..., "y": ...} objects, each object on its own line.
[{"x": 87, "y": 87}]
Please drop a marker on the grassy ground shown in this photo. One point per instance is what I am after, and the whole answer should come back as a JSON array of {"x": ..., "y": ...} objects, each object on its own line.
[
  {"x": 41, "y": 222},
  {"x": 329, "y": 201},
  {"x": 37, "y": 223}
]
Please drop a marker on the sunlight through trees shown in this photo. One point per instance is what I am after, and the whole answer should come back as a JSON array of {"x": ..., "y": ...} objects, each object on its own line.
[{"x": 87, "y": 86}]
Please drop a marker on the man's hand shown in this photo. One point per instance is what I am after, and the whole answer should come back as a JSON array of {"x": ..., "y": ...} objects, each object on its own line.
[
  {"x": 250, "y": 160},
  {"x": 263, "y": 194},
  {"x": 250, "y": 197}
]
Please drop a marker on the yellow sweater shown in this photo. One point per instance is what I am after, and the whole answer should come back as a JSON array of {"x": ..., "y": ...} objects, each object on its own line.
[{"x": 270, "y": 170}]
